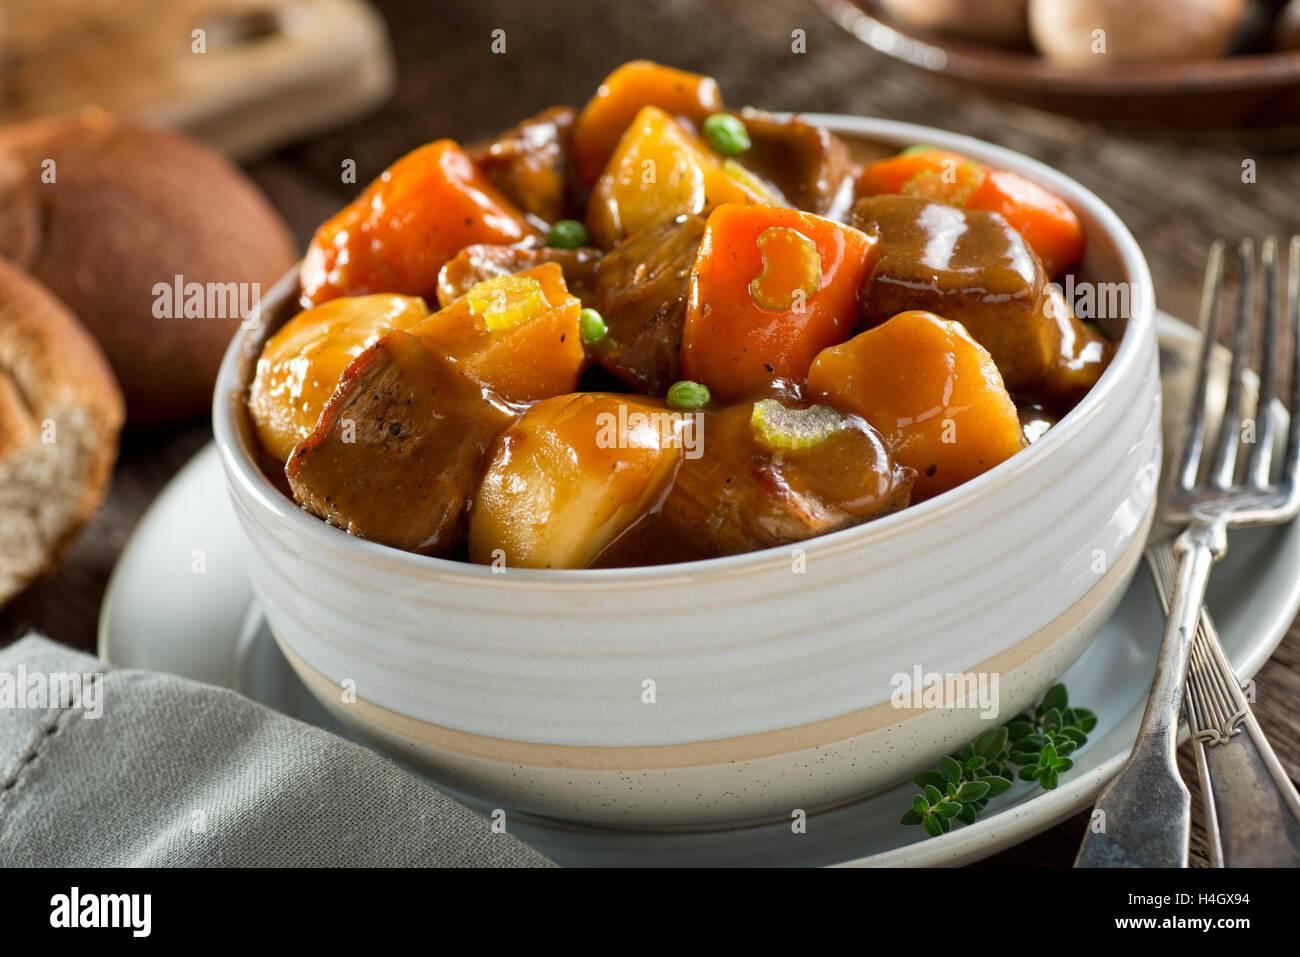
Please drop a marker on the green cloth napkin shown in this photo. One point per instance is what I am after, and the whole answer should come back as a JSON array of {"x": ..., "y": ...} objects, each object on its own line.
[{"x": 155, "y": 770}]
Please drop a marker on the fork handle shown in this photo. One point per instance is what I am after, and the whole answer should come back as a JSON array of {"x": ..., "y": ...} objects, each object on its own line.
[
  {"x": 1143, "y": 817},
  {"x": 1197, "y": 549},
  {"x": 1255, "y": 805},
  {"x": 1252, "y": 808}
]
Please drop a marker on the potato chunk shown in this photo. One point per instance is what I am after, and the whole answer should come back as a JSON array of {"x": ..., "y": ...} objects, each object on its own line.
[
  {"x": 570, "y": 476},
  {"x": 931, "y": 390},
  {"x": 301, "y": 364},
  {"x": 517, "y": 335},
  {"x": 660, "y": 170}
]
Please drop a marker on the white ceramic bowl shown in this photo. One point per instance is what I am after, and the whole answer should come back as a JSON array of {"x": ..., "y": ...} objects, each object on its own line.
[{"x": 771, "y": 687}]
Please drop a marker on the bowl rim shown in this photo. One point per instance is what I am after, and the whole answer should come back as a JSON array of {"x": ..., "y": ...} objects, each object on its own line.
[{"x": 241, "y": 468}]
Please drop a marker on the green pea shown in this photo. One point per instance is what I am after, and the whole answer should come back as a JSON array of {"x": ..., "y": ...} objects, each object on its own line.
[
  {"x": 686, "y": 395},
  {"x": 592, "y": 325},
  {"x": 567, "y": 234},
  {"x": 726, "y": 134}
]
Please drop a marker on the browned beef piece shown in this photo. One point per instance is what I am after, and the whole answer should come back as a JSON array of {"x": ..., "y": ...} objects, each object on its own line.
[
  {"x": 966, "y": 266},
  {"x": 399, "y": 449},
  {"x": 738, "y": 495},
  {"x": 473, "y": 264},
  {"x": 809, "y": 164},
  {"x": 529, "y": 162},
  {"x": 641, "y": 289}
]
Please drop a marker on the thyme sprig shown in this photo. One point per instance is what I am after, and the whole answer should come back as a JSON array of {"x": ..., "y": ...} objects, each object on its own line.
[{"x": 1033, "y": 746}]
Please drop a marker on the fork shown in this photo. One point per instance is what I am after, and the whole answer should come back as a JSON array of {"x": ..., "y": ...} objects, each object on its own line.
[
  {"x": 1143, "y": 817},
  {"x": 1252, "y": 810}
]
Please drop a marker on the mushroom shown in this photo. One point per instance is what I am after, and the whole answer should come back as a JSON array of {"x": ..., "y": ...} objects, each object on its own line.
[
  {"x": 992, "y": 21},
  {"x": 1286, "y": 34},
  {"x": 1097, "y": 34}
]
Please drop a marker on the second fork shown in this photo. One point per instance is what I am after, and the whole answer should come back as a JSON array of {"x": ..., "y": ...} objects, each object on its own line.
[{"x": 1143, "y": 817}]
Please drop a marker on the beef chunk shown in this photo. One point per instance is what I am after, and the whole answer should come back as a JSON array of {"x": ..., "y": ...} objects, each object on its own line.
[
  {"x": 740, "y": 495},
  {"x": 964, "y": 265},
  {"x": 641, "y": 289},
  {"x": 809, "y": 164},
  {"x": 529, "y": 163},
  {"x": 473, "y": 264},
  {"x": 399, "y": 448}
]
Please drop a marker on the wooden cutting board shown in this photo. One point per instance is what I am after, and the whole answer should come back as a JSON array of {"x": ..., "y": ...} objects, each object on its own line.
[{"x": 243, "y": 75}]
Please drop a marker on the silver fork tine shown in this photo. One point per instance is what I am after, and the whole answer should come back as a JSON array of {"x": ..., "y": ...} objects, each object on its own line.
[
  {"x": 1260, "y": 461},
  {"x": 1224, "y": 463},
  {"x": 1194, "y": 444}
]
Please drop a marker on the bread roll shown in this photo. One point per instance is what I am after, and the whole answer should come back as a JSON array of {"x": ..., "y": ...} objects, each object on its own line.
[
  {"x": 60, "y": 414},
  {"x": 1155, "y": 30},
  {"x": 129, "y": 209}
]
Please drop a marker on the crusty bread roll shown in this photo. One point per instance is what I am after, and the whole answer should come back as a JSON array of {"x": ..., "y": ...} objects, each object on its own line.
[
  {"x": 1066, "y": 31},
  {"x": 128, "y": 209},
  {"x": 60, "y": 414}
]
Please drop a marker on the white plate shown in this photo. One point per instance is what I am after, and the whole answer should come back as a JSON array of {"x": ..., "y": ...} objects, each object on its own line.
[{"x": 164, "y": 614}]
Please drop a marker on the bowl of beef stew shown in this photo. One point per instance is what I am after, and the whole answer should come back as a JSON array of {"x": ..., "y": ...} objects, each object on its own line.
[{"x": 624, "y": 468}]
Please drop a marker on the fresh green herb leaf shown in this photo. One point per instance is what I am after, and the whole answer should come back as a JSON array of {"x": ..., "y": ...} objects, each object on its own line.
[
  {"x": 1032, "y": 746},
  {"x": 933, "y": 778},
  {"x": 989, "y": 744},
  {"x": 997, "y": 785},
  {"x": 1085, "y": 720},
  {"x": 972, "y": 791},
  {"x": 1018, "y": 729},
  {"x": 950, "y": 769},
  {"x": 1056, "y": 698},
  {"x": 948, "y": 808}
]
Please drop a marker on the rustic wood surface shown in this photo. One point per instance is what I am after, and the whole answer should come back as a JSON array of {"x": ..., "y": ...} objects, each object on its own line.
[{"x": 1175, "y": 191}]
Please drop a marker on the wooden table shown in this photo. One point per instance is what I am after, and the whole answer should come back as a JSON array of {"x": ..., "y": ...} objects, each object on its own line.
[{"x": 1173, "y": 191}]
